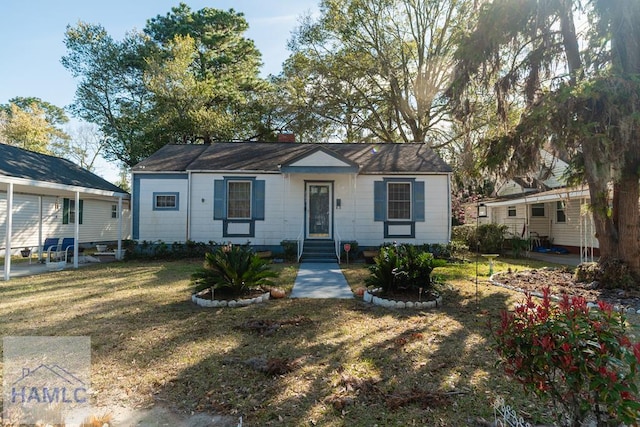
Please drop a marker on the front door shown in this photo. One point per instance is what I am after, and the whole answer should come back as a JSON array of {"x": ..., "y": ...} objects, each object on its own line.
[{"x": 319, "y": 210}]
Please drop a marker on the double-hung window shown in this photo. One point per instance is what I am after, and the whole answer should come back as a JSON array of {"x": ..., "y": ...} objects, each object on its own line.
[
  {"x": 239, "y": 202},
  {"x": 238, "y": 199},
  {"x": 399, "y": 201},
  {"x": 70, "y": 213},
  {"x": 537, "y": 209},
  {"x": 560, "y": 213}
]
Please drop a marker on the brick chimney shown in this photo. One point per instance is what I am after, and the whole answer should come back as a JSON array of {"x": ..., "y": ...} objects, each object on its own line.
[{"x": 286, "y": 137}]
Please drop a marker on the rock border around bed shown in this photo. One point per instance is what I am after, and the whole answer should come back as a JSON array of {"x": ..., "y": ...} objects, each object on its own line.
[
  {"x": 368, "y": 297},
  {"x": 203, "y": 302}
]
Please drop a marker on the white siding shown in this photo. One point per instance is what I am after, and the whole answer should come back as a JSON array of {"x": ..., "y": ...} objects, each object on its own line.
[
  {"x": 569, "y": 233},
  {"x": 166, "y": 225},
  {"x": 319, "y": 158},
  {"x": 515, "y": 224},
  {"x": 97, "y": 224},
  {"x": 285, "y": 209}
]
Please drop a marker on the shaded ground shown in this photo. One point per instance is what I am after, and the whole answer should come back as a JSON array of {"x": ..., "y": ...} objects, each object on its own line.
[
  {"x": 328, "y": 363},
  {"x": 561, "y": 281}
]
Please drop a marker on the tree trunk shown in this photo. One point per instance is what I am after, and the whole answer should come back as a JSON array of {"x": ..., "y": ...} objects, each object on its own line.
[{"x": 625, "y": 198}]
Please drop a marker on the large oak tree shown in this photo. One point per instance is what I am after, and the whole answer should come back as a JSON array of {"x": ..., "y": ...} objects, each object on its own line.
[
  {"x": 578, "y": 92},
  {"x": 376, "y": 69}
]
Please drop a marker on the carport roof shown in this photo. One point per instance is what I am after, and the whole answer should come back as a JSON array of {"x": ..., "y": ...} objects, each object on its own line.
[{"x": 32, "y": 167}]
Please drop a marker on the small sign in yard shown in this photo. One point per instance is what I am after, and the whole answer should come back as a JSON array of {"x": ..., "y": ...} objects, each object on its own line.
[
  {"x": 347, "y": 248},
  {"x": 506, "y": 416}
]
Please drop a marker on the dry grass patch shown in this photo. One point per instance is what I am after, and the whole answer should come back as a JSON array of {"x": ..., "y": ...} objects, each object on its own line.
[{"x": 328, "y": 362}]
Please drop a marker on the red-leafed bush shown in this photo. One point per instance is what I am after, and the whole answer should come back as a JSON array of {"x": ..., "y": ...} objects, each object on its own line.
[{"x": 577, "y": 357}]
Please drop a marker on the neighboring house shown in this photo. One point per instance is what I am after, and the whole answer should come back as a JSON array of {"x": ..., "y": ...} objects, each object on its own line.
[
  {"x": 269, "y": 192},
  {"x": 541, "y": 207},
  {"x": 43, "y": 197}
]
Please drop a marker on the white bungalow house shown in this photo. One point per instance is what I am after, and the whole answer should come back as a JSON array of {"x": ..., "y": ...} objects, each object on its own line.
[
  {"x": 45, "y": 197},
  {"x": 541, "y": 207},
  {"x": 265, "y": 193}
]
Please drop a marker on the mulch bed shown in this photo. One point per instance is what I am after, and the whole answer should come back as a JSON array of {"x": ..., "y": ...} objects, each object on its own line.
[{"x": 562, "y": 282}]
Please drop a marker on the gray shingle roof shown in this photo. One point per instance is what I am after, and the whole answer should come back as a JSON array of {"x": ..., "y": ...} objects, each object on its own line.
[
  {"x": 266, "y": 156},
  {"x": 18, "y": 163}
]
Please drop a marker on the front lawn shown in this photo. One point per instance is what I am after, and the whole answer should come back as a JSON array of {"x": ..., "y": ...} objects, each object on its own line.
[{"x": 323, "y": 362}]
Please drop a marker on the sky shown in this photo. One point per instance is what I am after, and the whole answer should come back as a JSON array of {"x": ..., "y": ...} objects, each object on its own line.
[{"x": 32, "y": 39}]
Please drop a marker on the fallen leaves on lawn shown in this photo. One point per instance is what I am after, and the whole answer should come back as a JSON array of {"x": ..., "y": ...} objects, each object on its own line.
[
  {"x": 271, "y": 365},
  {"x": 268, "y": 327}
]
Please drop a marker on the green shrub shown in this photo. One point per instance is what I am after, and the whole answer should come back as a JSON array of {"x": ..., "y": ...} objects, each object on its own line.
[
  {"x": 290, "y": 248},
  {"x": 609, "y": 273},
  {"x": 463, "y": 234},
  {"x": 486, "y": 238},
  {"x": 161, "y": 250},
  {"x": 519, "y": 246},
  {"x": 232, "y": 270},
  {"x": 578, "y": 358},
  {"x": 402, "y": 268},
  {"x": 353, "y": 252},
  {"x": 490, "y": 238},
  {"x": 586, "y": 272}
]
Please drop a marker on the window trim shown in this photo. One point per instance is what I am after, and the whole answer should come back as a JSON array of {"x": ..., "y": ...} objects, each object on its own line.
[
  {"x": 561, "y": 208},
  {"x": 77, "y": 211},
  {"x": 240, "y": 180},
  {"x": 537, "y": 206},
  {"x": 166, "y": 208},
  {"x": 114, "y": 211},
  {"x": 411, "y": 201},
  {"x": 512, "y": 209}
]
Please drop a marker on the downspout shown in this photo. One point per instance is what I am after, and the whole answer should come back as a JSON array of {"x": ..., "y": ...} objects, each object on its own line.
[
  {"x": 283, "y": 230},
  {"x": 7, "y": 243},
  {"x": 355, "y": 206},
  {"x": 449, "y": 204},
  {"x": 526, "y": 217},
  {"x": 76, "y": 233},
  {"x": 188, "y": 230}
]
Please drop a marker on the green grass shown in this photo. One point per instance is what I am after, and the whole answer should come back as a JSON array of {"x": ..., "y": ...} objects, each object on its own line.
[{"x": 351, "y": 364}]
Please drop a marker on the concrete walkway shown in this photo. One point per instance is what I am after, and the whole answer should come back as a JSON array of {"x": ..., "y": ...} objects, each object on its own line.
[
  {"x": 568, "y": 259},
  {"x": 320, "y": 280}
]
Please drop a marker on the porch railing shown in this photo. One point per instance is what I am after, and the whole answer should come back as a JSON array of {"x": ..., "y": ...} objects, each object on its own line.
[
  {"x": 338, "y": 244},
  {"x": 300, "y": 240}
]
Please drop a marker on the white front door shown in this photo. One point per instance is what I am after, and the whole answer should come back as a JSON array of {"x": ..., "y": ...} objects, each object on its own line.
[{"x": 319, "y": 216}]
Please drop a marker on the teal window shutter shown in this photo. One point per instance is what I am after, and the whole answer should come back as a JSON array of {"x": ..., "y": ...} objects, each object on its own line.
[
  {"x": 258, "y": 199},
  {"x": 379, "y": 201},
  {"x": 65, "y": 211},
  {"x": 80, "y": 212},
  {"x": 418, "y": 201},
  {"x": 219, "y": 199}
]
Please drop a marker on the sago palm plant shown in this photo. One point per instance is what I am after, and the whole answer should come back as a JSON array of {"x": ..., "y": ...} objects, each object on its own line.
[{"x": 233, "y": 270}]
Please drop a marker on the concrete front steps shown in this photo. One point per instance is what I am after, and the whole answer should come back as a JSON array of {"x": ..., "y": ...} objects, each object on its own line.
[{"x": 322, "y": 251}]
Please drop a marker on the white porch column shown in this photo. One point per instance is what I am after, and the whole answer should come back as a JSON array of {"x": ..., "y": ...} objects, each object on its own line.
[
  {"x": 76, "y": 234},
  {"x": 7, "y": 243},
  {"x": 119, "y": 252},
  {"x": 40, "y": 240}
]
